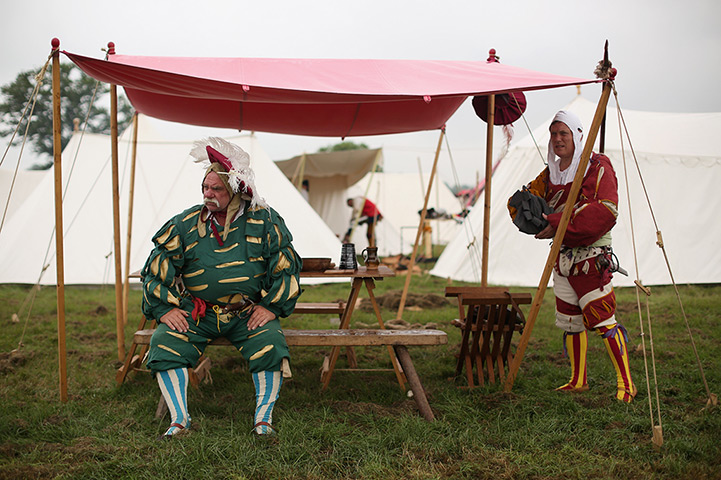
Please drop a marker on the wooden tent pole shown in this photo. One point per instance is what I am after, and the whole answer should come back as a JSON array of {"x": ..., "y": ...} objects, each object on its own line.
[
  {"x": 119, "y": 322},
  {"x": 402, "y": 305},
  {"x": 59, "y": 257},
  {"x": 557, "y": 240},
  {"x": 131, "y": 202},
  {"x": 301, "y": 175},
  {"x": 487, "y": 189}
]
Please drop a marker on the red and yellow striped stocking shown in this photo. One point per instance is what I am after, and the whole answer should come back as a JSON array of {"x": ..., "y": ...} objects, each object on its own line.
[
  {"x": 576, "y": 345},
  {"x": 614, "y": 338}
]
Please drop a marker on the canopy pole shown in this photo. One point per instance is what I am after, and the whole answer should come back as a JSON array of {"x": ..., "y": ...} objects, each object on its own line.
[
  {"x": 487, "y": 189},
  {"x": 131, "y": 202},
  {"x": 402, "y": 304},
  {"x": 119, "y": 322},
  {"x": 60, "y": 260},
  {"x": 557, "y": 240}
]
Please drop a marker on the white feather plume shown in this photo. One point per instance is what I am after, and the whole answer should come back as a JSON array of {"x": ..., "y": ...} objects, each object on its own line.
[{"x": 239, "y": 159}]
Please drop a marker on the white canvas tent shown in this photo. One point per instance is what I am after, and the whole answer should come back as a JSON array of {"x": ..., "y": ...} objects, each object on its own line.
[
  {"x": 329, "y": 175},
  {"x": 22, "y": 186},
  {"x": 679, "y": 159},
  {"x": 399, "y": 197},
  {"x": 336, "y": 176},
  {"x": 167, "y": 181}
]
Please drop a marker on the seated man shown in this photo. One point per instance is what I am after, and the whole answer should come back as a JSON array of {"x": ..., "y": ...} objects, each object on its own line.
[
  {"x": 225, "y": 268},
  {"x": 369, "y": 214}
]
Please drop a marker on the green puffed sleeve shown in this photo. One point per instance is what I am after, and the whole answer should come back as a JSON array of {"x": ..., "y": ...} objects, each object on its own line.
[
  {"x": 281, "y": 286},
  {"x": 160, "y": 291}
]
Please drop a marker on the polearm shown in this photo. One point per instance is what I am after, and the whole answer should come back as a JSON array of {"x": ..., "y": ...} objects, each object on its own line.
[
  {"x": 59, "y": 258},
  {"x": 557, "y": 240}
]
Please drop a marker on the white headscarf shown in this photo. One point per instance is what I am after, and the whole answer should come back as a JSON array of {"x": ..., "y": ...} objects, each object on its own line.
[{"x": 559, "y": 177}]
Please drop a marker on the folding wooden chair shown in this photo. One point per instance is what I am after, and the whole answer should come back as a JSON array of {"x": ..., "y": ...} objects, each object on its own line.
[{"x": 488, "y": 316}]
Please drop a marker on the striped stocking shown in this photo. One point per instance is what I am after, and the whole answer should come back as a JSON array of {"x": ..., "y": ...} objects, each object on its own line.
[
  {"x": 615, "y": 339},
  {"x": 174, "y": 386},
  {"x": 575, "y": 345},
  {"x": 267, "y": 387}
]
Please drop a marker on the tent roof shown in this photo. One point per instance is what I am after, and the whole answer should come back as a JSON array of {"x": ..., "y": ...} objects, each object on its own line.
[
  {"x": 320, "y": 97},
  {"x": 351, "y": 165}
]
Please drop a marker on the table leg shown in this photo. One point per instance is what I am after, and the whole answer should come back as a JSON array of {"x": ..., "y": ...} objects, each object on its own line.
[
  {"x": 415, "y": 382},
  {"x": 344, "y": 323},
  {"x": 370, "y": 285}
]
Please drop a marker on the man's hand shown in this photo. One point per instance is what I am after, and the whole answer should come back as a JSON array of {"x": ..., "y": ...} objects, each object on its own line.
[
  {"x": 548, "y": 232},
  {"x": 259, "y": 317},
  {"x": 176, "y": 319}
]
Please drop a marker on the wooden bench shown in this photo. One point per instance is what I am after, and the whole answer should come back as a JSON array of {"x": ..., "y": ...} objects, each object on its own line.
[
  {"x": 336, "y": 308},
  {"x": 397, "y": 339},
  {"x": 488, "y": 318},
  {"x": 133, "y": 361}
]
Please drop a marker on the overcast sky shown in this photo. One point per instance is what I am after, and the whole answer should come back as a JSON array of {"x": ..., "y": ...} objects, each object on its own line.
[{"x": 667, "y": 52}]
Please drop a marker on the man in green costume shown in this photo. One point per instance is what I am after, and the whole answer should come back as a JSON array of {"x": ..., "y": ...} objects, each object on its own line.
[{"x": 225, "y": 268}]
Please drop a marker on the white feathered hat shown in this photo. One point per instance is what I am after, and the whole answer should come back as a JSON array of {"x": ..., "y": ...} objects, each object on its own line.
[{"x": 236, "y": 165}]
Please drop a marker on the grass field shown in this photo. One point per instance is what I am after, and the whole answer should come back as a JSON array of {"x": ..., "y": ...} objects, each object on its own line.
[{"x": 363, "y": 426}]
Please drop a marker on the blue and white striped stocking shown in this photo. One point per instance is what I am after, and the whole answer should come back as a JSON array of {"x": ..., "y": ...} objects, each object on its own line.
[
  {"x": 174, "y": 386},
  {"x": 267, "y": 387}
]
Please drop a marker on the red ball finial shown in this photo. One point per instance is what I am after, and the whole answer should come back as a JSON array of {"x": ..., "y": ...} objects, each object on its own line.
[
  {"x": 111, "y": 48},
  {"x": 492, "y": 57},
  {"x": 613, "y": 73},
  {"x": 55, "y": 43}
]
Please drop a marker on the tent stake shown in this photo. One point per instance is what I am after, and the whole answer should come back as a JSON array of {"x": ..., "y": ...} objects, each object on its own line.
[
  {"x": 60, "y": 260},
  {"x": 402, "y": 304},
  {"x": 557, "y": 240}
]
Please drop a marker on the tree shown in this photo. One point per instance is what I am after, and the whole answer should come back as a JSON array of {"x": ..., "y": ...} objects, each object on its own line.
[
  {"x": 76, "y": 91},
  {"x": 343, "y": 146}
]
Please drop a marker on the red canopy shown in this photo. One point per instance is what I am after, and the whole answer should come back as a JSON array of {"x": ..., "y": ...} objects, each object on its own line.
[{"x": 319, "y": 97}]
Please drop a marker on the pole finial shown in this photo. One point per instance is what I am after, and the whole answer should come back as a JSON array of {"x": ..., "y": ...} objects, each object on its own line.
[
  {"x": 111, "y": 48},
  {"x": 492, "y": 57},
  {"x": 55, "y": 43}
]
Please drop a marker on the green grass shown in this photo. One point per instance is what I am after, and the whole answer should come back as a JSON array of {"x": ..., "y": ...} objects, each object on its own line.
[{"x": 363, "y": 426}]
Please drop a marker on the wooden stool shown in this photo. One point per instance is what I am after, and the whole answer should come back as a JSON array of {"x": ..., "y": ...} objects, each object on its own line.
[{"x": 488, "y": 318}]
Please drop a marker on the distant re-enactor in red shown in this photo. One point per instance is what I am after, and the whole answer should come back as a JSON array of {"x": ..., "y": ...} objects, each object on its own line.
[
  {"x": 369, "y": 214},
  {"x": 585, "y": 299}
]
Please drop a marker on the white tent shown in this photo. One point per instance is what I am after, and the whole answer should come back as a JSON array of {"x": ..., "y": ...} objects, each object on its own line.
[
  {"x": 167, "y": 181},
  {"x": 399, "y": 197},
  {"x": 336, "y": 176},
  {"x": 22, "y": 185},
  {"x": 679, "y": 157},
  {"x": 329, "y": 176}
]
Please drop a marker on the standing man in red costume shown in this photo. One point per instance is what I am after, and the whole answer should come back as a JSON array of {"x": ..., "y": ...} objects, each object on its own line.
[
  {"x": 585, "y": 299},
  {"x": 369, "y": 214}
]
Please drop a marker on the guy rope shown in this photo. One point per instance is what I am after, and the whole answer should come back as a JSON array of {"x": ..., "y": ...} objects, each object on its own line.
[{"x": 712, "y": 399}]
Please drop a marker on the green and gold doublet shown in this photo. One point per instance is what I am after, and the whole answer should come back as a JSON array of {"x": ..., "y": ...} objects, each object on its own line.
[{"x": 256, "y": 260}]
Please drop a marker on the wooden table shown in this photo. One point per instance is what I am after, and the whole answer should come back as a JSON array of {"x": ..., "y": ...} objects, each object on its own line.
[{"x": 359, "y": 277}]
